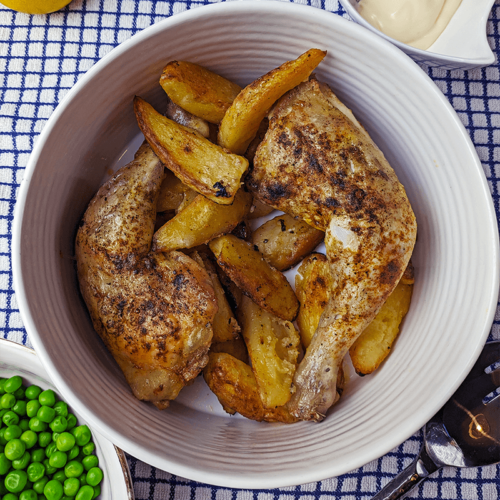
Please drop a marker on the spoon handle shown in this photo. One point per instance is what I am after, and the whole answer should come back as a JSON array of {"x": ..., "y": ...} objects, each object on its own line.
[{"x": 422, "y": 467}]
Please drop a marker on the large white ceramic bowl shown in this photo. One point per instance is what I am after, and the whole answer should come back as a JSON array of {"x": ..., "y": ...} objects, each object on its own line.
[
  {"x": 16, "y": 359},
  {"x": 456, "y": 258},
  {"x": 462, "y": 45}
]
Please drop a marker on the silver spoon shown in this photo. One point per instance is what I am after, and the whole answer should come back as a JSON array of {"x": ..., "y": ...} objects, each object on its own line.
[{"x": 464, "y": 433}]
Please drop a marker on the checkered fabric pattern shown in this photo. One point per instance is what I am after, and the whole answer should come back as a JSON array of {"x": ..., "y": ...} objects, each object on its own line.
[{"x": 41, "y": 58}]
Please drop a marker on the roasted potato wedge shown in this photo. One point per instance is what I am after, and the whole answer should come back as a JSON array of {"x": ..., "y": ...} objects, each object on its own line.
[
  {"x": 234, "y": 294},
  {"x": 375, "y": 343},
  {"x": 259, "y": 209},
  {"x": 313, "y": 284},
  {"x": 201, "y": 165},
  {"x": 285, "y": 241},
  {"x": 198, "y": 90},
  {"x": 243, "y": 118},
  {"x": 243, "y": 231},
  {"x": 255, "y": 277},
  {"x": 179, "y": 115},
  {"x": 236, "y": 348},
  {"x": 201, "y": 221},
  {"x": 233, "y": 382},
  {"x": 172, "y": 193},
  {"x": 224, "y": 324},
  {"x": 273, "y": 346}
]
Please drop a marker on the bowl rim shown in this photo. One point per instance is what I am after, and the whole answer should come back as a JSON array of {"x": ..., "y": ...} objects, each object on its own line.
[
  {"x": 423, "y": 54},
  {"x": 197, "y": 473}
]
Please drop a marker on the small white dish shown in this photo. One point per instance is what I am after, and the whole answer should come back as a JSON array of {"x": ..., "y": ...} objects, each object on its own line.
[
  {"x": 16, "y": 359},
  {"x": 462, "y": 45},
  {"x": 456, "y": 258}
]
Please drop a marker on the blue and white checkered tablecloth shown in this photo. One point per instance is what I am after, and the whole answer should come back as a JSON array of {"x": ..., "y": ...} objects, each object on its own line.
[{"x": 41, "y": 58}]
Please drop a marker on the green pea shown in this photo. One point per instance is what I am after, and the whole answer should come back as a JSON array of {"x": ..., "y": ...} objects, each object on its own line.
[
  {"x": 3, "y": 411},
  {"x": 44, "y": 439},
  {"x": 19, "y": 394},
  {"x": 12, "y": 384},
  {"x": 40, "y": 484},
  {"x": 10, "y": 496},
  {"x": 28, "y": 495},
  {"x": 10, "y": 418},
  {"x": 82, "y": 435},
  {"x": 50, "y": 449},
  {"x": 24, "y": 424},
  {"x": 5, "y": 464},
  {"x": 38, "y": 455},
  {"x": 14, "y": 449},
  {"x": 59, "y": 424},
  {"x": 7, "y": 401},
  {"x": 97, "y": 491},
  {"x": 37, "y": 425},
  {"x": 22, "y": 463},
  {"x": 60, "y": 476},
  {"x": 20, "y": 408},
  {"x": 48, "y": 468},
  {"x": 65, "y": 441},
  {"x": 73, "y": 453},
  {"x": 35, "y": 471},
  {"x": 32, "y": 408},
  {"x": 73, "y": 469},
  {"x": 61, "y": 409},
  {"x": 94, "y": 476},
  {"x": 16, "y": 480},
  {"x": 53, "y": 490},
  {"x": 29, "y": 438},
  {"x": 58, "y": 459},
  {"x": 32, "y": 392},
  {"x": 12, "y": 432},
  {"x": 3, "y": 441},
  {"x": 89, "y": 448},
  {"x": 90, "y": 461},
  {"x": 85, "y": 493},
  {"x": 71, "y": 486},
  {"x": 2, "y": 384},
  {"x": 55, "y": 435},
  {"x": 46, "y": 414},
  {"x": 83, "y": 479},
  {"x": 47, "y": 398},
  {"x": 71, "y": 421}
]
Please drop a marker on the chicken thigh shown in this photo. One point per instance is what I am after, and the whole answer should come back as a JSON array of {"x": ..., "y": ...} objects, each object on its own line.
[
  {"x": 318, "y": 163},
  {"x": 153, "y": 311}
]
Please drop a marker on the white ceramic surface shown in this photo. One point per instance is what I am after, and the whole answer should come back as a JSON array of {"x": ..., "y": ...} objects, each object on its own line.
[
  {"x": 462, "y": 45},
  {"x": 16, "y": 359},
  {"x": 456, "y": 258}
]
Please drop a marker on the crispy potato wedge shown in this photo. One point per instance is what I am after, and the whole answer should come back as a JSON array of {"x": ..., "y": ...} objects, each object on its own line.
[
  {"x": 255, "y": 277},
  {"x": 233, "y": 382},
  {"x": 243, "y": 118},
  {"x": 201, "y": 165},
  {"x": 284, "y": 241},
  {"x": 259, "y": 209},
  {"x": 233, "y": 293},
  {"x": 273, "y": 346},
  {"x": 375, "y": 343},
  {"x": 224, "y": 324},
  {"x": 198, "y": 90},
  {"x": 313, "y": 284},
  {"x": 201, "y": 221},
  {"x": 179, "y": 115},
  {"x": 172, "y": 193},
  {"x": 236, "y": 348}
]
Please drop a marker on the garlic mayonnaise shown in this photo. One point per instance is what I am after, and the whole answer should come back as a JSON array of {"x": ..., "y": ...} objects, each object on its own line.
[{"x": 415, "y": 22}]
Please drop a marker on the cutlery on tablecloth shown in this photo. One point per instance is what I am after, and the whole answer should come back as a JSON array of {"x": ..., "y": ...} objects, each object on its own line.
[{"x": 464, "y": 433}]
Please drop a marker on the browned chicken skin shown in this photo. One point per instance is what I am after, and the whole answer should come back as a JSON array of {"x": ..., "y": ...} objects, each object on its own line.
[
  {"x": 153, "y": 311},
  {"x": 317, "y": 163}
]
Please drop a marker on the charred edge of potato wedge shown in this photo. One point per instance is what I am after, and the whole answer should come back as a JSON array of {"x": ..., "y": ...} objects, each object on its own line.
[
  {"x": 234, "y": 384},
  {"x": 203, "y": 166},
  {"x": 241, "y": 121},
  {"x": 265, "y": 285},
  {"x": 198, "y": 90},
  {"x": 201, "y": 221},
  {"x": 285, "y": 241}
]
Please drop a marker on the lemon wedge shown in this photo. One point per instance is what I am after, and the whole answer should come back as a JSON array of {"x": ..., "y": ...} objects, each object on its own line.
[{"x": 35, "y": 6}]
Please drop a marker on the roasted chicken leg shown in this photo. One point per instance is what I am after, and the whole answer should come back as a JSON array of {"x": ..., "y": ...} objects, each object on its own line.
[
  {"x": 153, "y": 311},
  {"x": 318, "y": 163}
]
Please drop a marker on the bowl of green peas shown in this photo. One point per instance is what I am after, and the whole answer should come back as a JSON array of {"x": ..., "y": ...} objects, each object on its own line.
[{"x": 47, "y": 452}]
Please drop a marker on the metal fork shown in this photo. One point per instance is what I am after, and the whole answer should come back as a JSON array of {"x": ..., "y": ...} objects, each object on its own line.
[{"x": 464, "y": 433}]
